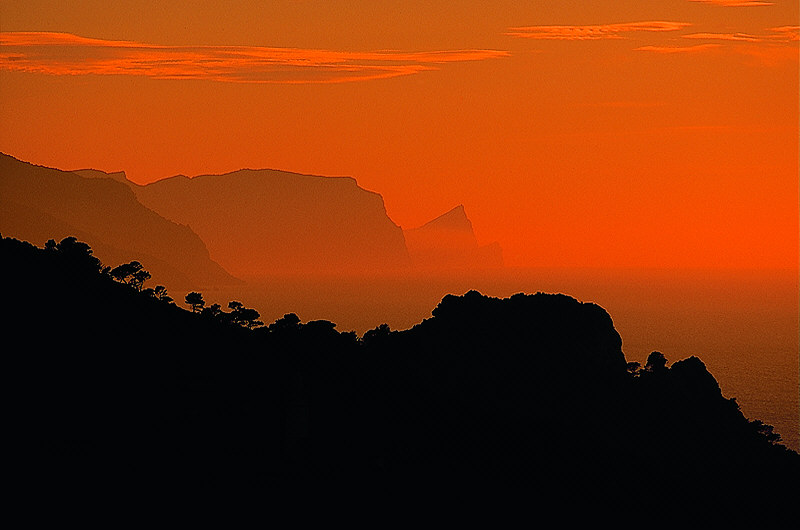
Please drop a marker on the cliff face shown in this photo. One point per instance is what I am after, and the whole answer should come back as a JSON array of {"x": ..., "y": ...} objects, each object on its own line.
[
  {"x": 262, "y": 222},
  {"x": 39, "y": 203},
  {"x": 449, "y": 242}
]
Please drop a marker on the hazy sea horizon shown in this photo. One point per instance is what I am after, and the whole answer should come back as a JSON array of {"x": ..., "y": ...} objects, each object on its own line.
[{"x": 743, "y": 324}]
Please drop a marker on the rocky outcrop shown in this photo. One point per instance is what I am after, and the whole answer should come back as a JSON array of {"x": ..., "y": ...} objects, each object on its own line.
[
  {"x": 448, "y": 242},
  {"x": 265, "y": 222}
]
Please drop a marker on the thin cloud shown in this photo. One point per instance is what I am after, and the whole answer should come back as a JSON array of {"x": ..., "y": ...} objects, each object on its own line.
[
  {"x": 68, "y": 54},
  {"x": 743, "y": 37},
  {"x": 768, "y": 54},
  {"x": 735, "y": 3},
  {"x": 787, "y": 33},
  {"x": 698, "y": 48},
  {"x": 781, "y": 34},
  {"x": 597, "y": 32}
]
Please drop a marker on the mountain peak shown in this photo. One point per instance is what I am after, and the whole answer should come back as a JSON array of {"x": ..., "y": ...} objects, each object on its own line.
[
  {"x": 454, "y": 219},
  {"x": 448, "y": 241}
]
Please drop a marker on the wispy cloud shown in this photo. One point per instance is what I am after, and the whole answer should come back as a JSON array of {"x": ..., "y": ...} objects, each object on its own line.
[
  {"x": 736, "y": 3},
  {"x": 781, "y": 34},
  {"x": 788, "y": 33},
  {"x": 67, "y": 54},
  {"x": 742, "y": 37},
  {"x": 698, "y": 48},
  {"x": 775, "y": 48},
  {"x": 597, "y": 32}
]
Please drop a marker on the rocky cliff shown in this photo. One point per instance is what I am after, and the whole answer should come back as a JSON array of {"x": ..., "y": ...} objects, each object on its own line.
[
  {"x": 39, "y": 203},
  {"x": 264, "y": 222},
  {"x": 448, "y": 242}
]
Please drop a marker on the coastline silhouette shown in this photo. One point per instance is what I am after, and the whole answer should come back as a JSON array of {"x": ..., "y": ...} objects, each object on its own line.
[
  {"x": 212, "y": 230},
  {"x": 128, "y": 386}
]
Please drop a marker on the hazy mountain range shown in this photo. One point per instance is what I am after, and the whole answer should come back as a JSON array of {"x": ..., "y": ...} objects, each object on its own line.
[
  {"x": 39, "y": 203},
  {"x": 215, "y": 229}
]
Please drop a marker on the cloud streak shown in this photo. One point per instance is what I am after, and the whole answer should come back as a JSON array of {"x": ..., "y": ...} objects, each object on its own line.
[
  {"x": 775, "y": 48},
  {"x": 595, "y": 32},
  {"x": 735, "y": 3},
  {"x": 786, "y": 33},
  {"x": 781, "y": 34},
  {"x": 698, "y": 48},
  {"x": 742, "y": 37},
  {"x": 68, "y": 54}
]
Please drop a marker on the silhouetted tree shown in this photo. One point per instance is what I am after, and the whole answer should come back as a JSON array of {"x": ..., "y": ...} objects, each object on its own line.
[
  {"x": 138, "y": 279},
  {"x": 212, "y": 311},
  {"x": 160, "y": 292},
  {"x": 244, "y": 316},
  {"x": 195, "y": 300},
  {"x": 377, "y": 335},
  {"x": 77, "y": 252},
  {"x": 764, "y": 430},
  {"x": 286, "y": 322},
  {"x": 131, "y": 273},
  {"x": 656, "y": 362},
  {"x": 634, "y": 367}
]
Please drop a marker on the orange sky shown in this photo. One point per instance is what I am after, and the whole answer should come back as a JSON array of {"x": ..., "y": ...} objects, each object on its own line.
[{"x": 615, "y": 133}]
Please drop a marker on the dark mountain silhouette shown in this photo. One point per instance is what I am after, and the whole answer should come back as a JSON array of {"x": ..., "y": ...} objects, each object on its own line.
[
  {"x": 38, "y": 203},
  {"x": 448, "y": 242},
  {"x": 258, "y": 222},
  {"x": 130, "y": 391}
]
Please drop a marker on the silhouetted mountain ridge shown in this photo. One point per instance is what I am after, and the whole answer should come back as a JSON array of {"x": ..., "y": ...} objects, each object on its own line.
[{"x": 532, "y": 391}]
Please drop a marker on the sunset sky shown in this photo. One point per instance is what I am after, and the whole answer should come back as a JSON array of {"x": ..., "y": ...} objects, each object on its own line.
[{"x": 596, "y": 133}]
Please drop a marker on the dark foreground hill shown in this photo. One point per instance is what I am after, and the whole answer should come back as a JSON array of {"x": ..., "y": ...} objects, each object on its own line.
[{"x": 113, "y": 386}]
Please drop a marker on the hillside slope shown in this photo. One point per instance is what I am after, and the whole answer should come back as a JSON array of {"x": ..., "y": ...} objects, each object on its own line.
[
  {"x": 39, "y": 203},
  {"x": 531, "y": 391}
]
